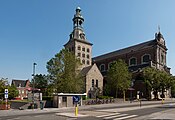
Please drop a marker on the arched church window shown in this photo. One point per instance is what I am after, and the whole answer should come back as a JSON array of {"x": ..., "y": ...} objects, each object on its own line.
[
  {"x": 132, "y": 61},
  {"x": 162, "y": 59},
  {"x": 109, "y": 65},
  {"x": 92, "y": 82},
  {"x": 146, "y": 58},
  {"x": 102, "y": 67},
  {"x": 96, "y": 83}
]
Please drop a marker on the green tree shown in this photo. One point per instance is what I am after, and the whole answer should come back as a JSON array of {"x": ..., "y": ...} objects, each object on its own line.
[
  {"x": 152, "y": 80},
  {"x": 41, "y": 82},
  {"x": 119, "y": 77},
  {"x": 13, "y": 92},
  {"x": 2, "y": 87},
  {"x": 173, "y": 86},
  {"x": 64, "y": 73},
  {"x": 157, "y": 80}
]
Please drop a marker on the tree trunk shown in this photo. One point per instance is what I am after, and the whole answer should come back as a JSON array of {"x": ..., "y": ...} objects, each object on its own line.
[
  {"x": 124, "y": 98},
  {"x": 116, "y": 93},
  {"x": 156, "y": 95}
]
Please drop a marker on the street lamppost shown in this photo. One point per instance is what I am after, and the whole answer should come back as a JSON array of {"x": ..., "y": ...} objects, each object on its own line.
[
  {"x": 34, "y": 64},
  {"x": 131, "y": 89}
]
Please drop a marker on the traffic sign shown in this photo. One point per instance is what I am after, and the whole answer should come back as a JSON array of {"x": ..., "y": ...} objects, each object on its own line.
[
  {"x": 6, "y": 96},
  {"x": 6, "y": 91},
  {"x": 76, "y": 98}
]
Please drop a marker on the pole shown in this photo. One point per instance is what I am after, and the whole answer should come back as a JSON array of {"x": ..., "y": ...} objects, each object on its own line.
[
  {"x": 33, "y": 84},
  {"x": 140, "y": 103},
  {"x": 6, "y": 104}
]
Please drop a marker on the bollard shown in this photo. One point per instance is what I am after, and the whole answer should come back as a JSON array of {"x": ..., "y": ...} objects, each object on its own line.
[
  {"x": 162, "y": 101},
  {"x": 76, "y": 110}
]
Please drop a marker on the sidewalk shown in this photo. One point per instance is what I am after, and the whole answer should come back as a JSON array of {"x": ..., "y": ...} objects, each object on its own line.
[{"x": 70, "y": 111}]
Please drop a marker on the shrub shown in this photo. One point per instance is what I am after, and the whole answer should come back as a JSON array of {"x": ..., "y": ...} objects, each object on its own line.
[
  {"x": 104, "y": 97},
  {"x": 3, "y": 102},
  {"x": 48, "y": 98}
]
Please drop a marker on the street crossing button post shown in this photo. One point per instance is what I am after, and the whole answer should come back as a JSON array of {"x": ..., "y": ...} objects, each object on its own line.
[{"x": 76, "y": 99}]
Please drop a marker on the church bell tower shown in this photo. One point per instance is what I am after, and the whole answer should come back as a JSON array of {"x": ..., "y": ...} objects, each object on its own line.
[{"x": 78, "y": 44}]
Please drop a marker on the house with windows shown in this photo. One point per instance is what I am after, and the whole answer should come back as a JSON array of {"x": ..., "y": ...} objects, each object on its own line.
[
  {"x": 151, "y": 53},
  {"x": 82, "y": 48},
  {"x": 23, "y": 88}
]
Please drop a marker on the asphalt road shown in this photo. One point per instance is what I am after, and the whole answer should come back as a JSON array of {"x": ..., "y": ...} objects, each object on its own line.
[
  {"x": 93, "y": 113},
  {"x": 35, "y": 116}
]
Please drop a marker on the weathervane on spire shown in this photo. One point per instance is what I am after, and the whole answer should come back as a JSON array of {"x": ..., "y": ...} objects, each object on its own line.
[{"x": 158, "y": 28}]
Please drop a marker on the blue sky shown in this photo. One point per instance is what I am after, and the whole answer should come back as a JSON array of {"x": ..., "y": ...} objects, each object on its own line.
[{"x": 35, "y": 30}]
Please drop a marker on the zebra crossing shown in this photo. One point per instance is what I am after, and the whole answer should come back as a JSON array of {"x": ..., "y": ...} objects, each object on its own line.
[{"x": 116, "y": 116}]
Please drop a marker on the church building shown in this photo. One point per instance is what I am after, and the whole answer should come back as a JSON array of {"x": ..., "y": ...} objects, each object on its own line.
[
  {"x": 151, "y": 53},
  {"x": 82, "y": 48}
]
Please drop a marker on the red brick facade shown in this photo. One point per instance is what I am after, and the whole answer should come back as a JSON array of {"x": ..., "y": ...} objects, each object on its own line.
[{"x": 151, "y": 53}]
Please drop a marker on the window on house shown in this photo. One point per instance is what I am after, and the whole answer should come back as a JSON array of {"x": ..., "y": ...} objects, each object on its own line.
[
  {"x": 79, "y": 47},
  {"x": 79, "y": 54},
  {"x": 146, "y": 58},
  {"x": 132, "y": 61},
  {"x": 83, "y": 49},
  {"x": 83, "y": 55},
  {"x": 88, "y": 62},
  {"x": 88, "y": 50},
  {"x": 97, "y": 83},
  {"x": 87, "y": 56},
  {"x": 102, "y": 67},
  {"x": 83, "y": 61},
  {"x": 64, "y": 99},
  {"x": 92, "y": 82}
]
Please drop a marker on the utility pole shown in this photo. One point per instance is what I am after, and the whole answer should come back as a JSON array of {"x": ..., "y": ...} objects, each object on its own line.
[{"x": 33, "y": 101}]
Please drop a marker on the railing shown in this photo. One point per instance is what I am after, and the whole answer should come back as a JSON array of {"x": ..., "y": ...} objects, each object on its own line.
[{"x": 99, "y": 101}]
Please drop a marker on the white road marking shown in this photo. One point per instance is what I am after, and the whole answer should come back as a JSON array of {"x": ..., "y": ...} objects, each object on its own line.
[
  {"x": 115, "y": 116},
  {"x": 126, "y": 117},
  {"x": 107, "y": 115}
]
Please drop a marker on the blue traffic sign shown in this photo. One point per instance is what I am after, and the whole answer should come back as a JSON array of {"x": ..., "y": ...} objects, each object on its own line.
[
  {"x": 76, "y": 98},
  {"x": 6, "y": 93}
]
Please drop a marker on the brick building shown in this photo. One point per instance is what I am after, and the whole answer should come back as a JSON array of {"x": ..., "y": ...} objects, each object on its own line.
[
  {"x": 23, "y": 88},
  {"x": 151, "y": 53}
]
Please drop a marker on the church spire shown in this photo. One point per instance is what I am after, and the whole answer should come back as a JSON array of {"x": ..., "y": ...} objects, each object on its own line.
[
  {"x": 78, "y": 32},
  {"x": 158, "y": 35},
  {"x": 78, "y": 19}
]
